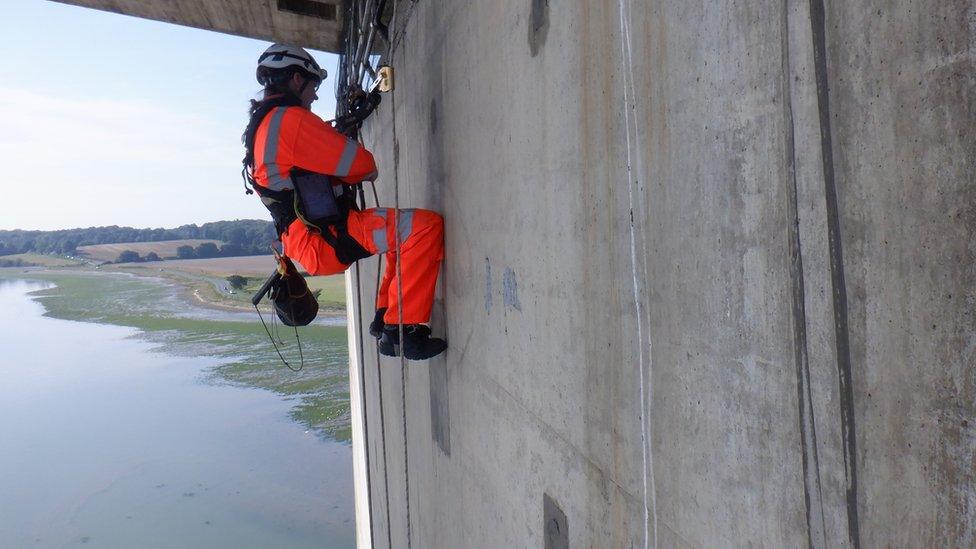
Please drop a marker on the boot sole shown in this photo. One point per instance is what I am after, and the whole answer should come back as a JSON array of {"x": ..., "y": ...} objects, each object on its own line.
[{"x": 393, "y": 350}]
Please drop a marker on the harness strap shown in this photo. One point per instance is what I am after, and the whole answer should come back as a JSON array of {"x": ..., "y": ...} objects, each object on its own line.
[{"x": 286, "y": 206}]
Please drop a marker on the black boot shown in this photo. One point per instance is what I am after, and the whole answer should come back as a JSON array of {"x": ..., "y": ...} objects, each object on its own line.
[
  {"x": 376, "y": 326},
  {"x": 417, "y": 343}
]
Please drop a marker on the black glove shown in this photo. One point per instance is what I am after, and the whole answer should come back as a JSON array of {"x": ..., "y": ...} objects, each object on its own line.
[{"x": 361, "y": 105}]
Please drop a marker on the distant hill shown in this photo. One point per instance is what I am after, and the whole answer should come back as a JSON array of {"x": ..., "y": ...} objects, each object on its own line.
[{"x": 236, "y": 238}]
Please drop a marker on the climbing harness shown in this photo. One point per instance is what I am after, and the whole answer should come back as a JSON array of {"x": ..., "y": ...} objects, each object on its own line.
[
  {"x": 312, "y": 199},
  {"x": 308, "y": 196}
]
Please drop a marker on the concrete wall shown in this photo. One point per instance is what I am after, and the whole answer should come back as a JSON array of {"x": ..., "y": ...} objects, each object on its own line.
[{"x": 709, "y": 277}]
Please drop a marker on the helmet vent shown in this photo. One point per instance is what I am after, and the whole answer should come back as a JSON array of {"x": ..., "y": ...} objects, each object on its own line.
[{"x": 310, "y": 8}]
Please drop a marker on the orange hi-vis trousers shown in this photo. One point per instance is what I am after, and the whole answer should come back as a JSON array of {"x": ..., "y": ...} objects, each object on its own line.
[{"x": 421, "y": 253}]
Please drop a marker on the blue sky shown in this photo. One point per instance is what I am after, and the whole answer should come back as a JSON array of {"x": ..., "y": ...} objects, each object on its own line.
[{"x": 112, "y": 120}]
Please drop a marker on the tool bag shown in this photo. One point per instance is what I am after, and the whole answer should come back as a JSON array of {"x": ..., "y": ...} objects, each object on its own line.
[{"x": 290, "y": 297}]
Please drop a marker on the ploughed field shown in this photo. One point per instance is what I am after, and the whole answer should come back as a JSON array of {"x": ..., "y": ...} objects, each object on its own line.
[
  {"x": 247, "y": 265},
  {"x": 163, "y": 248}
]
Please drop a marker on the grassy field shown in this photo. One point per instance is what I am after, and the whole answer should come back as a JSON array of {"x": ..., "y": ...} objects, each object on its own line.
[
  {"x": 163, "y": 248},
  {"x": 205, "y": 280},
  {"x": 42, "y": 260}
]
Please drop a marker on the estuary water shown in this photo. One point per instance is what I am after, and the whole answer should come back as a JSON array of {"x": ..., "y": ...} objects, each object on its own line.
[{"x": 127, "y": 436}]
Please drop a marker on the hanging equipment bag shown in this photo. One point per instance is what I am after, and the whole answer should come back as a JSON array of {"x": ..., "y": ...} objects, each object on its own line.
[{"x": 292, "y": 301}]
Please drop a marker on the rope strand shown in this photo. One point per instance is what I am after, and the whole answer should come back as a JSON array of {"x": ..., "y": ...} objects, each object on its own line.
[
  {"x": 354, "y": 64},
  {"x": 285, "y": 362},
  {"x": 399, "y": 283}
]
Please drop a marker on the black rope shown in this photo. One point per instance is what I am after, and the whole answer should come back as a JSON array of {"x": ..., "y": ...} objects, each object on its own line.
[
  {"x": 351, "y": 69},
  {"x": 379, "y": 375},
  {"x": 362, "y": 385},
  {"x": 285, "y": 362},
  {"x": 399, "y": 281}
]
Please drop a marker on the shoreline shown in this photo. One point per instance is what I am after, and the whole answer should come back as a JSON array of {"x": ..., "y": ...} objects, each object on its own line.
[
  {"x": 194, "y": 288},
  {"x": 203, "y": 293}
]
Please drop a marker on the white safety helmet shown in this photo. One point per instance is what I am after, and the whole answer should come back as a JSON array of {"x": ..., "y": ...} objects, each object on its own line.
[{"x": 282, "y": 56}]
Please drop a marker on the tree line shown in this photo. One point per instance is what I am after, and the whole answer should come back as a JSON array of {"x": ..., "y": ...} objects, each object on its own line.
[
  {"x": 240, "y": 237},
  {"x": 203, "y": 250}
]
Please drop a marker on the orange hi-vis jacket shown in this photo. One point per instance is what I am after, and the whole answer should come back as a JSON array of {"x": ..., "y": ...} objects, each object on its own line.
[
  {"x": 291, "y": 137},
  {"x": 294, "y": 137}
]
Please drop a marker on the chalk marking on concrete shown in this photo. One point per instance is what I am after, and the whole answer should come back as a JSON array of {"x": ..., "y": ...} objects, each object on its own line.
[
  {"x": 510, "y": 289},
  {"x": 630, "y": 95},
  {"x": 487, "y": 285}
]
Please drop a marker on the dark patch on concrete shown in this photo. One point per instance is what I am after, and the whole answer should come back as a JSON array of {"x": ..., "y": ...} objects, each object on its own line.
[
  {"x": 510, "y": 290},
  {"x": 433, "y": 116},
  {"x": 440, "y": 418},
  {"x": 309, "y": 8},
  {"x": 538, "y": 25},
  {"x": 487, "y": 285},
  {"x": 838, "y": 283},
  {"x": 437, "y": 183},
  {"x": 555, "y": 527}
]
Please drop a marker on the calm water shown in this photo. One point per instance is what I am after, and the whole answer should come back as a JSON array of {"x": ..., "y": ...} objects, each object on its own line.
[{"x": 107, "y": 440}]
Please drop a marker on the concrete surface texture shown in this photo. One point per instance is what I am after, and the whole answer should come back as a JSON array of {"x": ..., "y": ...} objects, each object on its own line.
[
  {"x": 311, "y": 23},
  {"x": 709, "y": 276},
  {"x": 709, "y": 280}
]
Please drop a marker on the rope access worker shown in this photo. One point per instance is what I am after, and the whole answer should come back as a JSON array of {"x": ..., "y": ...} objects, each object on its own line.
[{"x": 298, "y": 164}]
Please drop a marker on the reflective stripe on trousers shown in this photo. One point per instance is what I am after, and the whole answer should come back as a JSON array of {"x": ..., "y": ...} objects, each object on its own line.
[{"x": 379, "y": 234}]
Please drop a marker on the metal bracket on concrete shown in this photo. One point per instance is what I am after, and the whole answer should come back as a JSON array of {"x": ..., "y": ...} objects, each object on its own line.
[{"x": 384, "y": 79}]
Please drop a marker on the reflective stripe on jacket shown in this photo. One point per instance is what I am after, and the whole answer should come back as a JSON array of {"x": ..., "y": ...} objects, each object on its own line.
[{"x": 291, "y": 137}]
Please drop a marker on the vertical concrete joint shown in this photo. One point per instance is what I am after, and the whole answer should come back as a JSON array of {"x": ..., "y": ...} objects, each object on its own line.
[
  {"x": 838, "y": 283},
  {"x": 812, "y": 490}
]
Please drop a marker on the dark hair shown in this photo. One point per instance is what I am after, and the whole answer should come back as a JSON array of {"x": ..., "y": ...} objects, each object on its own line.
[{"x": 276, "y": 94}]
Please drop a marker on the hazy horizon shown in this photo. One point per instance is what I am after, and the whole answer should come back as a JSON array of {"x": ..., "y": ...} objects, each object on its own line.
[{"x": 168, "y": 227}]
